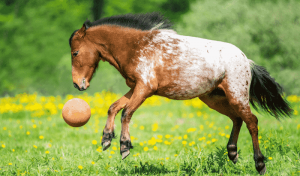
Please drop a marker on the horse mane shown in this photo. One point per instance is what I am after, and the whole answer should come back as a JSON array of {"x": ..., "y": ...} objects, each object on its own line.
[{"x": 147, "y": 21}]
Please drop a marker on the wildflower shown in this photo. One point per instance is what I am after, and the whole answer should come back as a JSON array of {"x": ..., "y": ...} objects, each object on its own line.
[
  {"x": 49, "y": 145},
  {"x": 28, "y": 133},
  {"x": 209, "y": 135},
  {"x": 93, "y": 162},
  {"x": 142, "y": 127},
  {"x": 270, "y": 158},
  {"x": 226, "y": 127},
  {"x": 227, "y": 136},
  {"x": 145, "y": 149},
  {"x": 167, "y": 158},
  {"x": 114, "y": 148},
  {"x": 13, "y": 150},
  {"x": 34, "y": 126},
  {"x": 21, "y": 127},
  {"x": 208, "y": 142},
  {"x": 3, "y": 146},
  {"x": 4, "y": 128},
  {"x": 184, "y": 142},
  {"x": 41, "y": 137},
  {"x": 94, "y": 142},
  {"x": 167, "y": 136},
  {"x": 185, "y": 136},
  {"x": 141, "y": 143},
  {"x": 160, "y": 136},
  {"x": 155, "y": 148},
  {"x": 112, "y": 152},
  {"x": 10, "y": 164},
  {"x": 109, "y": 156},
  {"x": 179, "y": 138},
  {"x": 191, "y": 130},
  {"x": 259, "y": 137},
  {"x": 34, "y": 146},
  {"x": 80, "y": 167},
  {"x": 176, "y": 155},
  {"x": 47, "y": 152},
  {"x": 213, "y": 140}
]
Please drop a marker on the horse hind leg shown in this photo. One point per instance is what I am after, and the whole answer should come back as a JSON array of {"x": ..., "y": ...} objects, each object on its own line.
[
  {"x": 236, "y": 90},
  {"x": 217, "y": 101}
]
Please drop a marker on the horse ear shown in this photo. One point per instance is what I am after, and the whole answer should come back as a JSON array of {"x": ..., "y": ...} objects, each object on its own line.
[{"x": 81, "y": 32}]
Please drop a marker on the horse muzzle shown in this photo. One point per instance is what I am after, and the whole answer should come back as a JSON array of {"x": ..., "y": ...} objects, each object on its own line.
[{"x": 83, "y": 85}]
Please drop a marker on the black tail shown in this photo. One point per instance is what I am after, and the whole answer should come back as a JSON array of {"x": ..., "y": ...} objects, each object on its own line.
[{"x": 265, "y": 92}]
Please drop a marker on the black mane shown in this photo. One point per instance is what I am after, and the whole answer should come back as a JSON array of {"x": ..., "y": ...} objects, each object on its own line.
[{"x": 143, "y": 22}]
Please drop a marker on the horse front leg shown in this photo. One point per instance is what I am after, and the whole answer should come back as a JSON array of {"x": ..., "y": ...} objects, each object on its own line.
[
  {"x": 141, "y": 92},
  {"x": 108, "y": 132}
]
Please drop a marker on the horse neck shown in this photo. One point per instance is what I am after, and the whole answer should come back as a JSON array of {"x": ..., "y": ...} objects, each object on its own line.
[{"x": 120, "y": 42}]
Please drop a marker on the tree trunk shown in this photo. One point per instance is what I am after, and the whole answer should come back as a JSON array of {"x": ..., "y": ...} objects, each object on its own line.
[{"x": 97, "y": 9}]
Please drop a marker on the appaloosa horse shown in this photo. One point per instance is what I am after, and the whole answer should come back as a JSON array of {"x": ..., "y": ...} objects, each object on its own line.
[{"x": 155, "y": 60}]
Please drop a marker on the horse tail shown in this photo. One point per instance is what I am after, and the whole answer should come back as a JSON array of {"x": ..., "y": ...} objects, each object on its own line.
[{"x": 267, "y": 93}]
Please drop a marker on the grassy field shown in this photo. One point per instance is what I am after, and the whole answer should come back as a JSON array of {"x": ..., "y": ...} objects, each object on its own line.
[{"x": 169, "y": 138}]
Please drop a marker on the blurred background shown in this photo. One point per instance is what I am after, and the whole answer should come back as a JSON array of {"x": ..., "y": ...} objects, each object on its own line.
[{"x": 35, "y": 54}]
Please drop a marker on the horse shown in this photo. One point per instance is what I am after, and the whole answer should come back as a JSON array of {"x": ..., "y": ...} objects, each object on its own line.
[{"x": 155, "y": 60}]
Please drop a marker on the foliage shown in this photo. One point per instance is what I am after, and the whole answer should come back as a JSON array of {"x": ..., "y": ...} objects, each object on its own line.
[{"x": 35, "y": 56}]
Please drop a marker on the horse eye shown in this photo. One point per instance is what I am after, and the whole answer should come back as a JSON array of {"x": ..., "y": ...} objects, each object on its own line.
[{"x": 75, "y": 53}]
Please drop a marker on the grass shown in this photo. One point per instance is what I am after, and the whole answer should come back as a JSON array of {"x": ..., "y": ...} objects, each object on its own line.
[{"x": 169, "y": 138}]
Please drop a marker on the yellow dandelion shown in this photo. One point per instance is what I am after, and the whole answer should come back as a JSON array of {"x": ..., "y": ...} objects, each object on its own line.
[
  {"x": 155, "y": 148},
  {"x": 28, "y": 133},
  {"x": 93, "y": 162},
  {"x": 226, "y": 127},
  {"x": 3, "y": 146},
  {"x": 270, "y": 158},
  {"x": 184, "y": 142},
  {"x": 34, "y": 126},
  {"x": 142, "y": 127},
  {"x": 179, "y": 138},
  {"x": 4, "y": 128},
  {"x": 94, "y": 142},
  {"x": 141, "y": 143},
  {"x": 176, "y": 155},
  {"x": 112, "y": 152},
  {"x": 47, "y": 152},
  {"x": 80, "y": 167},
  {"x": 21, "y": 127},
  {"x": 34, "y": 146},
  {"x": 13, "y": 150},
  {"x": 10, "y": 164},
  {"x": 227, "y": 136},
  {"x": 49, "y": 145},
  {"x": 209, "y": 135},
  {"x": 160, "y": 136},
  {"x": 114, "y": 148},
  {"x": 208, "y": 142},
  {"x": 41, "y": 137},
  {"x": 167, "y": 158},
  {"x": 109, "y": 156},
  {"x": 145, "y": 149},
  {"x": 167, "y": 136},
  {"x": 185, "y": 136},
  {"x": 213, "y": 140}
]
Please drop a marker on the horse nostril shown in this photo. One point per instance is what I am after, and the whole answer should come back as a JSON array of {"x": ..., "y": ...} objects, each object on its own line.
[{"x": 76, "y": 86}]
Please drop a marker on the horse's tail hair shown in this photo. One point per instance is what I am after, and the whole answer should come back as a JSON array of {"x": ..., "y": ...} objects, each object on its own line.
[{"x": 267, "y": 93}]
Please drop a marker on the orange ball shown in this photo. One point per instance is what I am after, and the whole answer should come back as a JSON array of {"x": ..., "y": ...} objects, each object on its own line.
[{"x": 76, "y": 112}]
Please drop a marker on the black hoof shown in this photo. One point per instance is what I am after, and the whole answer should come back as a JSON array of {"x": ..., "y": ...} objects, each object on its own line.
[
  {"x": 259, "y": 164},
  {"x": 232, "y": 153},
  {"x": 125, "y": 147},
  {"x": 106, "y": 140}
]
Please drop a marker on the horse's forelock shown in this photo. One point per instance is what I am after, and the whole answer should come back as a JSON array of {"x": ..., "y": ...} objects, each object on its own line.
[{"x": 71, "y": 38}]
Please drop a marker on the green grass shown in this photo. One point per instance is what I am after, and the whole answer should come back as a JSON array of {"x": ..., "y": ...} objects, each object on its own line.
[{"x": 73, "y": 147}]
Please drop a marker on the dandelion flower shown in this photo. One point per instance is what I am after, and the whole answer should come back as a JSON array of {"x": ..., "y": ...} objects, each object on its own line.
[
  {"x": 41, "y": 137},
  {"x": 167, "y": 136},
  {"x": 185, "y": 136},
  {"x": 226, "y": 127},
  {"x": 47, "y": 152},
  {"x": 227, "y": 136},
  {"x": 4, "y": 128},
  {"x": 141, "y": 143},
  {"x": 114, "y": 148},
  {"x": 270, "y": 158},
  {"x": 94, "y": 142},
  {"x": 13, "y": 150},
  {"x": 80, "y": 167},
  {"x": 184, "y": 142},
  {"x": 142, "y": 127},
  {"x": 34, "y": 126},
  {"x": 176, "y": 155},
  {"x": 10, "y": 164},
  {"x": 28, "y": 133},
  {"x": 109, "y": 156},
  {"x": 3, "y": 146},
  {"x": 145, "y": 149},
  {"x": 93, "y": 162},
  {"x": 34, "y": 146},
  {"x": 155, "y": 148},
  {"x": 167, "y": 158}
]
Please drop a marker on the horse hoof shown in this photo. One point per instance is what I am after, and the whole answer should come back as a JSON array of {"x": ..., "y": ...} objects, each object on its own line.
[
  {"x": 106, "y": 145},
  {"x": 263, "y": 171},
  {"x": 235, "y": 159},
  {"x": 125, "y": 154}
]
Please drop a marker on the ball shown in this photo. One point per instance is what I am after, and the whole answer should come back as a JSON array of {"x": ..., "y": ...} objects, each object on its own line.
[{"x": 76, "y": 112}]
